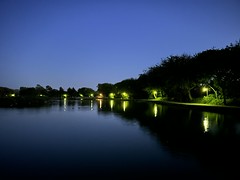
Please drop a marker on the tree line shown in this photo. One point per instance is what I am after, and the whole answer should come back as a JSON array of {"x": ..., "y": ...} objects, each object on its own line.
[
  {"x": 47, "y": 91},
  {"x": 211, "y": 76},
  {"x": 39, "y": 95}
]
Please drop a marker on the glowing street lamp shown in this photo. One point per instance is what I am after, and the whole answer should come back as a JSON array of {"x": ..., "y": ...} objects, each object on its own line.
[
  {"x": 12, "y": 95},
  {"x": 154, "y": 92},
  {"x": 205, "y": 89},
  {"x": 100, "y": 96},
  {"x": 111, "y": 95},
  {"x": 65, "y": 96},
  {"x": 125, "y": 95}
]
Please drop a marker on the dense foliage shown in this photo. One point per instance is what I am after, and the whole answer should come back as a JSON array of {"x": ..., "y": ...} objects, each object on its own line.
[
  {"x": 183, "y": 78},
  {"x": 178, "y": 78}
]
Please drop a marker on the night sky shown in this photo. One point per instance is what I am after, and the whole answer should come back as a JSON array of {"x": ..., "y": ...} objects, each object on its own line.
[{"x": 80, "y": 43}]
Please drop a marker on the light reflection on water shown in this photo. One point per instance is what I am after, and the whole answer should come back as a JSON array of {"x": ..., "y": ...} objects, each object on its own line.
[{"x": 110, "y": 139}]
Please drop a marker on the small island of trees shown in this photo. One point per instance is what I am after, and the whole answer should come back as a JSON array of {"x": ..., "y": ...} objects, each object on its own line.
[{"x": 208, "y": 77}]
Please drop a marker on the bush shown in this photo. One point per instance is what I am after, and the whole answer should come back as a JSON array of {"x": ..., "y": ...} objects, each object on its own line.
[{"x": 210, "y": 99}]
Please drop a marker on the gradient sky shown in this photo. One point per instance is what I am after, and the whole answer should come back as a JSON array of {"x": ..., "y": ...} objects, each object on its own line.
[{"x": 80, "y": 43}]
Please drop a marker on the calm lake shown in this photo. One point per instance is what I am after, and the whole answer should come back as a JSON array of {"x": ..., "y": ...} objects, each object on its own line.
[{"x": 107, "y": 139}]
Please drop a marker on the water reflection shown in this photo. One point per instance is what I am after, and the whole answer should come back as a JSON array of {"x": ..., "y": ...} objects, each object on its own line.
[
  {"x": 206, "y": 124},
  {"x": 64, "y": 104},
  {"x": 105, "y": 136},
  {"x": 100, "y": 103},
  {"x": 111, "y": 104},
  {"x": 212, "y": 122},
  {"x": 73, "y": 104},
  {"x": 212, "y": 138},
  {"x": 155, "y": 110},
  {"x": 91, "y": 104},
  {"x": 205, "y": 135},
  {"x": 162, "y": 120},
  {"x": 125, "y": 105}
]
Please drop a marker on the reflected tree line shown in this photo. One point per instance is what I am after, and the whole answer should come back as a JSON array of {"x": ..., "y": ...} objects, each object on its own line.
[
  {"x": 210, "y": 77},
  {"x": 211, "y": 137}
]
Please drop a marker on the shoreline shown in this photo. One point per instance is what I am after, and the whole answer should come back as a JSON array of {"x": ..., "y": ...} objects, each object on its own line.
[
  {"x": 208, "y": 107},
  {"x": 200, "y": 106}
]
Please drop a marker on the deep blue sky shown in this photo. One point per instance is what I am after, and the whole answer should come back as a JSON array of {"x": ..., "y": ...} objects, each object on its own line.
[{"x": 80, "y": 43}]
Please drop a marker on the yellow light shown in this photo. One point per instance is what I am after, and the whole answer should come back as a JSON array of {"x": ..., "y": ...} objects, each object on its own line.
[
  {"x": 125, "y": 95},
  {"x": 205, "y": 89},
  {"x": 65, "y": 104},
  {"x": 155, "y": 110},
  {"x": 205, "y": 124},
  {"x": 111, "y": 95},
  {"x": 100, "y": 104},
  {"x": 100, "y": 96},
  {"x": 12, "y": 95},
  {"x": 91, "y": 105},
  {"x": 125, "y": 105},
  {"x": 111, "y": 104},
  {"x": 154, "y": 93}
]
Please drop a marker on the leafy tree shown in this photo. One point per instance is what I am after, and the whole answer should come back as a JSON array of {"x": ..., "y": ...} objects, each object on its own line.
[
  {"x": 220, "y": 70},
  {"x": 105, "y": 89},
  {"x": 86, "y": 92},
  {"x": 4, "y": 91},
  {"x": 178, "y": 77},
  {"x": 128, "y": 86},
  {"x": 61, "y": 91},
  {"x": 72, "y": 92},
  {"x": 40, "y": 90},
  {"x": 27, "y": 91}
]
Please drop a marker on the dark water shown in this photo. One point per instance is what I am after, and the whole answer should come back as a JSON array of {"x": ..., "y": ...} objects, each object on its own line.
[{"x": 118, "y": 140}]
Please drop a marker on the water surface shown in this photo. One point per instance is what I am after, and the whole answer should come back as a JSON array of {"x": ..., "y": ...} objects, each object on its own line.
[{"x": 108, "y": 139}]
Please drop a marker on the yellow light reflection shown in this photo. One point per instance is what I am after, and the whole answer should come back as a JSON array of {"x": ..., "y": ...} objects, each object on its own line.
[
  {"x": 100, "y": 103},
  {"x": 64, "y": 104},
  {"x": 155, "y": 110},
  {"x": 125, "y": 105},
  {"x": 206, "y": 124},
  {"x": 111, "y": 104},
  {"x": 91, "y": 104}
]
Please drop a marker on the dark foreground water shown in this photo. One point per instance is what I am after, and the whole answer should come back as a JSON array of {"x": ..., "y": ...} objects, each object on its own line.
[{"x": 118, "y": 140}]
